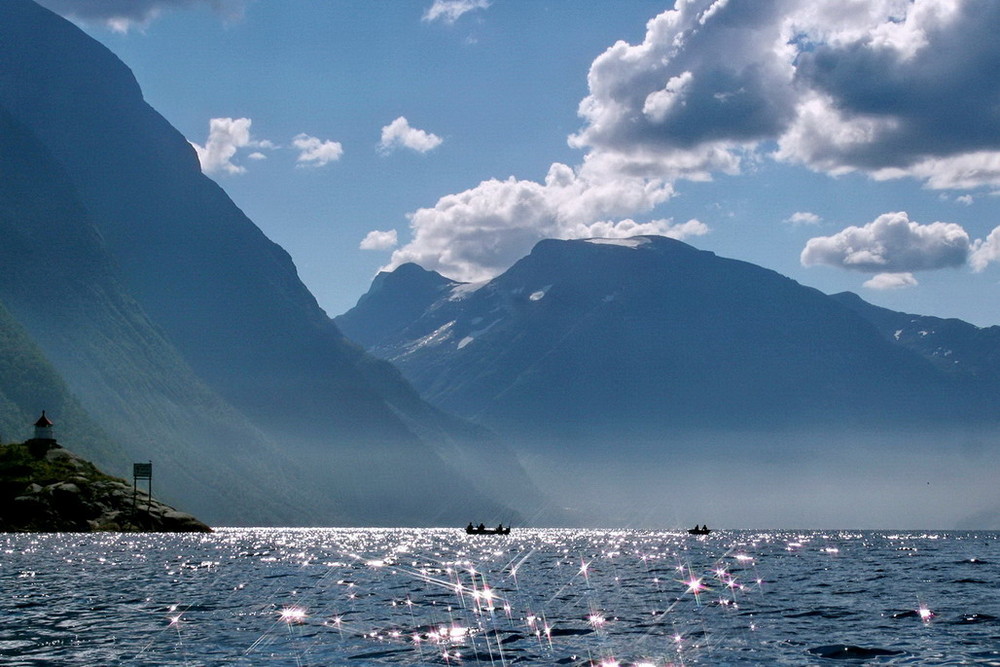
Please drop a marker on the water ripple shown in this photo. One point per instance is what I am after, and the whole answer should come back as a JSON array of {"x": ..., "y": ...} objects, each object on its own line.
[{"x": 536, "y": 597}]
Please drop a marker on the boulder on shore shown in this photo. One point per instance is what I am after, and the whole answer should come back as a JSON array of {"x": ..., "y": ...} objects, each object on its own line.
[{"x": 50, "y": 489}]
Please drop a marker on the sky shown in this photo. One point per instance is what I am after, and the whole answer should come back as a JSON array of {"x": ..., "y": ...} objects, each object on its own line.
[{"x": 848, "y": 144}]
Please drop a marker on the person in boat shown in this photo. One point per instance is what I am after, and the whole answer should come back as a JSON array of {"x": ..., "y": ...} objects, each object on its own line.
[
  {"x": 469, "y": 528},
  {"x": 500, "y": 527},
  {"x": 481, "y": 528}
]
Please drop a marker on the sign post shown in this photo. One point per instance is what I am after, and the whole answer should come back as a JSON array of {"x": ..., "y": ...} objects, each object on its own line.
[{"x": 142, "y": 471}]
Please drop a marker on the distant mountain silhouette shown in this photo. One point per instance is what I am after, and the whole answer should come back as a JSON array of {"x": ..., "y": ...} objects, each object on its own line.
[
  {"x": 585, "y": 338},
  {"x": 187, "y": 334}
]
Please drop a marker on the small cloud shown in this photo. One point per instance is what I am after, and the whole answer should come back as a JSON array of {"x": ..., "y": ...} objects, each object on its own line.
[
  {"x": 376, "y": 240},
  {"x": 886, "y": 281},
  {"x": 985, "y": 251},
  {"x": 257, "y": 155},
  {"x": 965, "y": 199},
  {"x": 803, "y": 218},
  {"x": 398, "y": 133},
  {"x": 124, "y": 16},
  {"x": 450, "y": 11},
  {"x": 315, "y": 152},
  {"x": 891, "y": 243},
  {"x": 225, "y": 137}
]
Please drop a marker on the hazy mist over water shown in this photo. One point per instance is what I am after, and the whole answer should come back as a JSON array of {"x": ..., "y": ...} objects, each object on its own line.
[
  {"x": 911, "y": 478},
  {"x": 537, "y": 597}
]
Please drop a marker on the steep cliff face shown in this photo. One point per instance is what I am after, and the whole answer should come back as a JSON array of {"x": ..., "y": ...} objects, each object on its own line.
[
  {"x": 58, "y": 282},
  {"x": 187, "y": 333}
]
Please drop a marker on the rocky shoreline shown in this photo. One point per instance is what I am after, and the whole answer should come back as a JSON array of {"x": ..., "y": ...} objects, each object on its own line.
[{"x": 47, "y": 488}]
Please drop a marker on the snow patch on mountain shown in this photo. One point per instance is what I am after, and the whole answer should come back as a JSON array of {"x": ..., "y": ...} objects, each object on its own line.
[
  {"x": 540, "y": 294},
  {"x": 436, "y": 337},
  {"x": 634, "y": 242},
  {"x": 464, "y": 290}
]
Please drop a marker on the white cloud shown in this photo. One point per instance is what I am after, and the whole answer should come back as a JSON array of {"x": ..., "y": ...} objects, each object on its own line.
[
  {"x": 892, "y": 243},
  {"x": 314, "y": 152},
  {"x": 225, "y": 137},
  {"x": 887, "y": 281},
  {"x": 450, "y": 11},
  {"x": 704, "y": 86},
  {"x": 477, "y": 234},
  {"x": 897, "y": 90},
  {"x": 398, "y": 133},
  {"x": 376, "y": 240},
  {"x": 985, "y": 251},
  {"x": 888, "y": 88},
  {"x": 623, "y": 229},
  {"x": 803, "y": 218},
  {"x": 124, "y": 15}
]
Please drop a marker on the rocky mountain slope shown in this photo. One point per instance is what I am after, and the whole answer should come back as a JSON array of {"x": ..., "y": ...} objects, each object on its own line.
[{"x": 952, "y": 345}]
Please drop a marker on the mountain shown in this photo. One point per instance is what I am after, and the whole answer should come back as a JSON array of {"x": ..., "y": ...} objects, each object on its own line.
[
  {"x": 27, "y": 379},
  {"x": 657, "y": 333},
  {"x": 952, "y": 345},
  {"x": 185, "y": 333},
  {"x": 659, "y": 361}
]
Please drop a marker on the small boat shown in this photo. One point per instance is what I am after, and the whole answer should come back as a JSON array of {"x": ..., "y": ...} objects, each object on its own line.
[
  {"x": 483, "y": 530},
  {"x": 704, "y": 530}
]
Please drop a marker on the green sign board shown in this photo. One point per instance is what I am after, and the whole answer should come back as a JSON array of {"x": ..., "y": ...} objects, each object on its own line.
[{"x": 142, "y": 470}]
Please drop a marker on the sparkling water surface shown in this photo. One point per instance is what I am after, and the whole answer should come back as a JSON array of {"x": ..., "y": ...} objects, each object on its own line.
[{"x": 330, "y": 596}]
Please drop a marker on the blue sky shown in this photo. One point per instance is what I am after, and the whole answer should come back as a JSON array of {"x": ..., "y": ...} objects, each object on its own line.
[{"x": 849, "y": 144}]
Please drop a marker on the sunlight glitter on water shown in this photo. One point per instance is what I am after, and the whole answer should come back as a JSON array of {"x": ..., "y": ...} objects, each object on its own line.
[{"x": 536, "y": 597}]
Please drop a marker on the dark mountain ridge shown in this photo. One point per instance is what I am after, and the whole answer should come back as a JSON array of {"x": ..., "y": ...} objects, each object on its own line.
[
  {"x": 952, "y": 345},
  {"x": 657, "y": 333}
]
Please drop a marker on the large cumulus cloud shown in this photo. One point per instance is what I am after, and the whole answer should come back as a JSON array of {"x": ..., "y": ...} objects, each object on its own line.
[
  {"x": 892, "y": 243},
  {"x": 915, "y": 94},
  {"x": 893, "y": 247},
  {"x": 708, "y": 82},
  {"x": 889, "y": 88},
  {"x": 476, "y": 234}
]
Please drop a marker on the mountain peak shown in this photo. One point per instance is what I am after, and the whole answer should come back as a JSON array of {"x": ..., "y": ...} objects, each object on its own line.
[
  {"x": 410, "y": 274},
  {"x": 658, "y": 332}
]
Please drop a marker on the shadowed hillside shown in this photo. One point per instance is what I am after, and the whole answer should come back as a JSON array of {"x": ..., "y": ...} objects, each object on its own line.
[{"x": 185, "y": 332}]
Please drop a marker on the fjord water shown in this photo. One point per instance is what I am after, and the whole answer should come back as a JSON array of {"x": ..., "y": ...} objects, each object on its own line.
[{"x": 283, "y": 596}]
